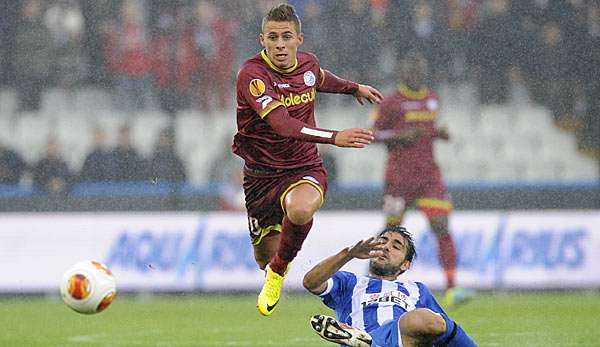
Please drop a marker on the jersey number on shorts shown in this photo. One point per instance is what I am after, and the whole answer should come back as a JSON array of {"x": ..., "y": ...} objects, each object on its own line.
[{"x": 253, "y": 226}]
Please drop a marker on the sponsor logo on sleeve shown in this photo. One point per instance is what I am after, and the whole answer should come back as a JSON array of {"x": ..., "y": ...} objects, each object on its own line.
[
  {"x": 257, "y": 87},
  {"x": 264, "y": 101}
]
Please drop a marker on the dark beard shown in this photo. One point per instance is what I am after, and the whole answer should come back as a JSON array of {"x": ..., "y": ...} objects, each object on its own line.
[{"x": 382, "y": 270}]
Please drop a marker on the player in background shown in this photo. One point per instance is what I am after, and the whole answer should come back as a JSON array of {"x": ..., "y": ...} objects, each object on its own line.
[
  {"x": 379, "y": 309},
  {"x": 284, "y": 179},
  {"x": 406, "y": 123}
]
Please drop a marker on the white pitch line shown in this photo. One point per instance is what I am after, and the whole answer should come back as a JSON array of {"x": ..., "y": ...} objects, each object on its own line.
[{"x": 85, "y": 338}]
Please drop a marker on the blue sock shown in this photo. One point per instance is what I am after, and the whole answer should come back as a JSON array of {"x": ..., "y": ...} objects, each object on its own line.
[{"x": 454, "y": 336}]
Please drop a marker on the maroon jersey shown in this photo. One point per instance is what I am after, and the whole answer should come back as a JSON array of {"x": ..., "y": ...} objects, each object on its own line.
[
  {"x": 409, "y": 109},
  {"x": 262, "y": 87}
]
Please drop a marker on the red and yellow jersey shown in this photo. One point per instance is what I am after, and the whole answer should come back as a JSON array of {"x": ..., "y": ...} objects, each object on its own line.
[
  {"x": 262, "y": 87},
  {"x": 409, "y": 109}
]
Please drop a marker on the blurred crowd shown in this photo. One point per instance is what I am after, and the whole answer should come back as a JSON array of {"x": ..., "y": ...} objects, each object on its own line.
[
  {"x": 183, "y": 54},
  {"x": 51, "y": 174}
]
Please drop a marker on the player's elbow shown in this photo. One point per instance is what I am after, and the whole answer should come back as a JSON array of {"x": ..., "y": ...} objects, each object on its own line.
[
  {"x": 311, "y": 284},
  {"x": 281, "y": 130},
  {"x": 308, "y": 282}
]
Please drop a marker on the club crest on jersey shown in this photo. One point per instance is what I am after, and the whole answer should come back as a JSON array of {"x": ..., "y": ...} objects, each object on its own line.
[
  {"x": 309, "y": 78},
  {"x": 257, "y": 87}
]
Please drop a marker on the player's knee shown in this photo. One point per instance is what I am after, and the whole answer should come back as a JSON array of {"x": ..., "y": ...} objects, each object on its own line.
[
  {"x": 300, "y": 215},
  {"x": 433, "y": 325},
  {"x": 422, "y": 323}
]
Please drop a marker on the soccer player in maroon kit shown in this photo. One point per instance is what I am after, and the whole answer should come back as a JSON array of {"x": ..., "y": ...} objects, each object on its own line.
[
  {"x": 406, "y": 123},
  {"x": 284, "y": 179}
]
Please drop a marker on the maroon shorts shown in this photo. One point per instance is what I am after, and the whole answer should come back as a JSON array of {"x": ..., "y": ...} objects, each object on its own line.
[
  {"x": 265, "y": 189},
  {"x": 428, "y": 193}
]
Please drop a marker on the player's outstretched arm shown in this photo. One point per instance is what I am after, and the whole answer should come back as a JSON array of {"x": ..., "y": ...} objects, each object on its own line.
[
  {"x": 315, "y": 280},
  {"x": 287, "y": 126},
  {"x": 330, "y": 83},
  {"x": 354, "y": 137}
]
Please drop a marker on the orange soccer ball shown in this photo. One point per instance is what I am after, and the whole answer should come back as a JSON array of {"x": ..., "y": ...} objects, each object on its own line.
[{"x": 88, "y": 287}]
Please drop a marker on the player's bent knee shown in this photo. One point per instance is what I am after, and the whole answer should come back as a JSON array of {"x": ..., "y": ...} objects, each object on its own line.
[
  {"x": 300, "y": 215},
  {"x": 422, "y": 323},
  {"x": 301, "y": 203}
]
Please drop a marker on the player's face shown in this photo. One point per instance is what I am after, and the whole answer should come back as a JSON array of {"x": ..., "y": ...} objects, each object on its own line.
[
  {"x": 281, "y": 41},
  {"x": 393, "y": 261}
]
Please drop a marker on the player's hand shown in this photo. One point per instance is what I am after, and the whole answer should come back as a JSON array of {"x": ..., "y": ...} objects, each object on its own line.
[
  {"x": 365, "y": 249},
  {"x": 410, "y": 135},
  {"x": 443, "y": 133},
  {"x": 354, "y": 137},
  {"x": 369, "y": 93}
]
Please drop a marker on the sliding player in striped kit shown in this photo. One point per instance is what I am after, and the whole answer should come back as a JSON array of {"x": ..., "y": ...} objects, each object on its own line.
[
  {"x": 284, "y": 178},
  {"x": 379, "y": 309}
]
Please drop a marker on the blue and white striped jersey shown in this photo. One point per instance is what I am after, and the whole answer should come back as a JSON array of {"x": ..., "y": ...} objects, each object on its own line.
[{"x": 366, "y": 302}]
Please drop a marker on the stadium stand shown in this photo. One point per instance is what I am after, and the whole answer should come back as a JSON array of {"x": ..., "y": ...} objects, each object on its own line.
[{"x": 489, "y": 144}]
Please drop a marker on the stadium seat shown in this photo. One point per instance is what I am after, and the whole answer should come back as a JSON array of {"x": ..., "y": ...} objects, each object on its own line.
[
  {"x": 56, "y": 100},
  {"x": 188, "y": 129},
  {"x": 505, "y": 171},
  {"x": 459, "y": 122},
  {"x": 544, "y": 171},
  {"x": 110, "y": 121},
  {"x": 374, "y": 167},
  {"x": 7, "y": 125},
  {"x": 479, "y": 148},
  {"x": 198, "y": 143},
  {"x": 145, "y": 129},
  {"x": 8, "y": 102},
  {"x": 91, "y": 100},
  {"x": 31, "y": 135},
  {"x": 75, "y": 136},
  {"x": 579, "y": 168},
  {"x": 534, "y": 120},
  {"x": 496, "y": 121},
  {"x": 558, "y": 147},
  {"x": 518, "y": 148},
  {"x": 464, "y": 171}
]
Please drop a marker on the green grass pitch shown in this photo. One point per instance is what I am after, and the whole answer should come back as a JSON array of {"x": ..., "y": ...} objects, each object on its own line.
[{"x": 531, "y": 319}]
